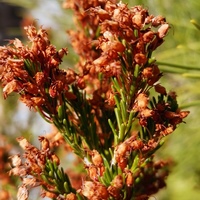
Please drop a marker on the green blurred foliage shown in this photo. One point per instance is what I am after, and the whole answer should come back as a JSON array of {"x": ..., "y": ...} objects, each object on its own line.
[{"x": 182, "y": 47}]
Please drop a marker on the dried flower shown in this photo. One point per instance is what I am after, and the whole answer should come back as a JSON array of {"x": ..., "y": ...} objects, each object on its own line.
[
  {"x": 104, "y": 110},
  {"x": 71, "y": 196},
  {"x": 96, "y": 158},
  {"x": 22, "y": 193},
  {"x": 16, "y": 160},
  {"x": 117, "y": 182},
  {"x": 88, "y": 189}
]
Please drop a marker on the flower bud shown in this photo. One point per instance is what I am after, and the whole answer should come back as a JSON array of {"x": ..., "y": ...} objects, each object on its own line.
[
  {"x": 108, "y": 35},
  {"x": 184, "y": 114},
  {"x": 158, "y": 20},
  {"x": 39, "y": 78},
  {"x": 140, "y": 58},
  {"x": 50, "y": 195},
  {"x": 138, "y": 20},
  {"x": 113, "y": 191},
  {"x": 55, "y": 159},
  {"x": 88, "y": 189},
  {"x": 44, "y": 143},
  {"x": 38, "y": 101},
  {"x": 141, "y": 101},
  {"x": 118, "y": 181},
  {"x": 22, "y": 193},
  {"x": 16, "y": 160},
  {"x": 147, "y": 37},
  {"x": 96, "y": 158},
  {"x": 81, "y": 83},
  {"x": 122, "y": 163},
  {"x": 146, "y": 113},
  {"x": 102, "y": 192},
  {"x": 162, "y": 31},
  {"x": 167, "y": 131},
  {"x": 71, "y": 196},
  {"x": 24, "y": 143},
  {"x": 160, "y": 89},
  {"x": 121, "y": 150},
  {"x": 93, "y": 172},
  {"x": 129, "y": 179},
  {"x": 62, "y": 52}
]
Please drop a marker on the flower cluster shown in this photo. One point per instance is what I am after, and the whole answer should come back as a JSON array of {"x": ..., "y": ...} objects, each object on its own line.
[
  {"x": 123, "y": 35},
  {"x": 104, "y": 110},
  {"x": 39, "y": 167},
  {"x": 34, "y": 72}
]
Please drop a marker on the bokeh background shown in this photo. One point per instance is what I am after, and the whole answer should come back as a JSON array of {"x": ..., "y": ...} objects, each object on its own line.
[{"x": 179, "y": 60}]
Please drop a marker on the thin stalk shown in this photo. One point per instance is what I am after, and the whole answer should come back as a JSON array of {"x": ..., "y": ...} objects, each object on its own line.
[{"x": 179, "y": 66}]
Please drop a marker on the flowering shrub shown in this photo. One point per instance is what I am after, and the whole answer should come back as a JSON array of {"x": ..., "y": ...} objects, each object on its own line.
[{"x": 110, "y": 109}]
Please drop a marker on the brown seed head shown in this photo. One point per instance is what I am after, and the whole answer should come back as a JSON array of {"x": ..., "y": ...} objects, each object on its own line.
[
  {"x": 24, "y": 143},
  {"x": 96, "y": 158},
  {"x": 88, "y": 189},
  {"x": 122, "y": 163},
  {"x": 71, "y": 196},
  {"x": 146, "y": 113},
  {"x": 117, "y": 182},
  {"x": 22, "y": 193},
  {"x": 141, "y": 102},
  {"x": 160, "y": 89},
  {"x": 140, "y": 58},
  {"x": 121, "y": 150},
  {"x": 37, "y": 101},
  {"x": 167, "y": 131},
  {"x": 138, "y": 20},
  {"x": 16, "y": 160},
  {"x": 50, "y": 195},
  {"x": 115, "y": 192},
  {"x": 129, "y": 179},
  {"x": 148, "y": 36},
  {"x": 93, "y": 172},
  {"x": 102, "y": 192},
  {"x": 55, "y": 159},
  {"x": 162, "y": 31},
  {"x": 12, "y": 86},
  {"x": 39, "y": 78},
  {"x": 44, "y": 143},
  {"x": 158, "y": 20},
  {"x": 137, "y": 144},
  {"x": 81, "y": 83}
]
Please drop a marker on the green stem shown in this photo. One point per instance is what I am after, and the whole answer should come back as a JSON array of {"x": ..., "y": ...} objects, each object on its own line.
[
  {"x": 190, "y": 75},
  {"x": 193, "y": 103},
  {"x": 179, "y": 66}
]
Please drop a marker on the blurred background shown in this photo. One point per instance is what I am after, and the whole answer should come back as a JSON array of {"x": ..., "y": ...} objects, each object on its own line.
[{"x": 179, "y": 60}]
